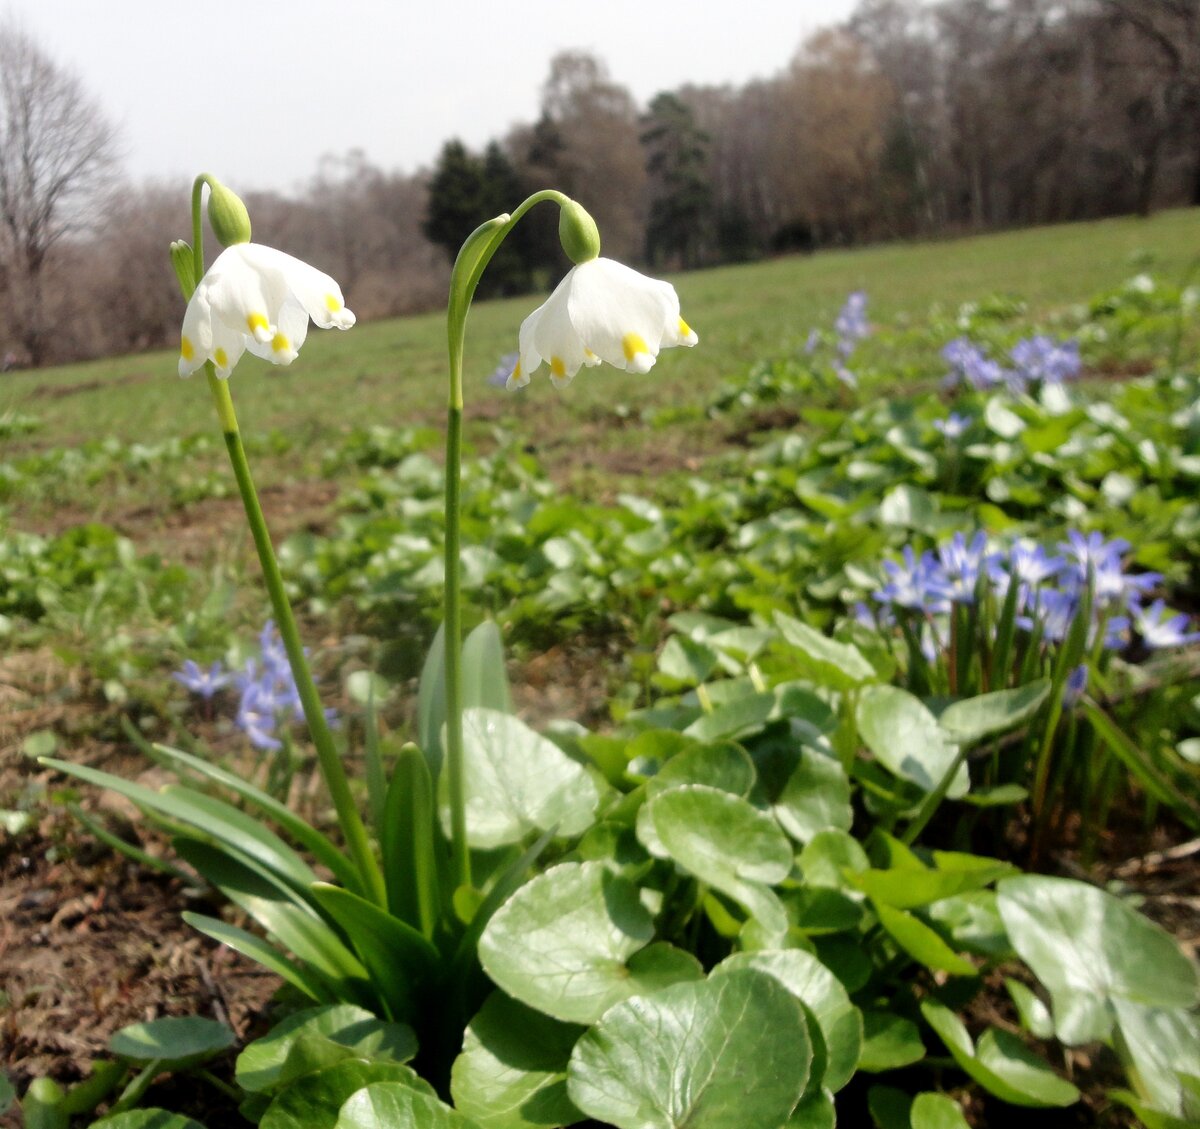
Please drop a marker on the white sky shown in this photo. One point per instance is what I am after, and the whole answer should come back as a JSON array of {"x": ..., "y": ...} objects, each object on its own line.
[{"x": 256, "y": 91}]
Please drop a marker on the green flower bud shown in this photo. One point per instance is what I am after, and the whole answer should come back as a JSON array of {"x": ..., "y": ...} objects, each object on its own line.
[
  {"x": 184, "y": 263},
  {"x": 227, "y": 214},
  {"x": 577, "y": 233}
]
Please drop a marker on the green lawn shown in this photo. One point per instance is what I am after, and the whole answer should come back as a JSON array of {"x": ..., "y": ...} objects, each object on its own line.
[{"x": 391, "y": 372}]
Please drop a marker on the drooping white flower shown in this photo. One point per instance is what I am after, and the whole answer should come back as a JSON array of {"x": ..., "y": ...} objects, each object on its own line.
[
  {"x": 601, "y": 311},
  {"x": 254, "y": 297}
]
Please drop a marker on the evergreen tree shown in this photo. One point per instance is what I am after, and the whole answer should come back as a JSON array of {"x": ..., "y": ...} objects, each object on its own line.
[
  {"x": 457, "y": 202},
  {"x": 681, "y": 195}
]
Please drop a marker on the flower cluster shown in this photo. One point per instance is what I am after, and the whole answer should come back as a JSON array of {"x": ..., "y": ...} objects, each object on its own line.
[
  {"x": 268, "y": 698},
  {"x": 1052, "y": 588},
  {"x": 1037, "y": 360},
  {"x": 851, "y": 327}
]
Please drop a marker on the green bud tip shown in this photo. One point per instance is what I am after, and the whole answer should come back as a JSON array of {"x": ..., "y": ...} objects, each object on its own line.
[
  {"x": 227, "y": 214},
  {"x": 577, "y": 233},
  {"x": 184, "y": 263}
]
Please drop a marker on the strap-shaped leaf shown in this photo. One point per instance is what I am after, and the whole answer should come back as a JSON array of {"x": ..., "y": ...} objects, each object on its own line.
[
  {"x": 403, "y": 965},
  {"x": 409, "y": 841}
]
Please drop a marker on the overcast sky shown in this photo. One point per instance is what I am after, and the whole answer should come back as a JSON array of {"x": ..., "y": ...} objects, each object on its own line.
[{"x": 256, "y": 92}]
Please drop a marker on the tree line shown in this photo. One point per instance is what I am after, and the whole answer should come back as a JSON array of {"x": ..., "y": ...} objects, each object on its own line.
[{"x": 907, "y": 120}]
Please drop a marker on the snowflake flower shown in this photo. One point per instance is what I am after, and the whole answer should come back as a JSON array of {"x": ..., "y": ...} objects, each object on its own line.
[
  {"x": 254, "y": 297},
  {"x": 601, "y": 311}
]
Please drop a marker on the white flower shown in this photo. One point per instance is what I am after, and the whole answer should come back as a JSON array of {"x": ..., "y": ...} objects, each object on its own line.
[
  {"x": 601, "y": 311},
  {"x": 254, "y": 297}
]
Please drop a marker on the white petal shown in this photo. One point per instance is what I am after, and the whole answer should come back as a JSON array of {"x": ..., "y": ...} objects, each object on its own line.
[
  {"x": 284, "y": 346},
  {"x": 195, "y": 339},
  {"x": 621, "y": 315},
  {"x": 227, "y": 349},
  {"x": 555, "y": 339},
  {"x": 319, "y": 294},
  {"x": 245, "y": 291}
]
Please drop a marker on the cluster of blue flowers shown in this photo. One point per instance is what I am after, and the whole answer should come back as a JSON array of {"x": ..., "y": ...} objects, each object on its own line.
[
  {"x": 1051, "y": 589},
  {"x": 851, "y": 327},
  {"x": 268, "y": 699},
  {"x": 1037, "y": 360}
]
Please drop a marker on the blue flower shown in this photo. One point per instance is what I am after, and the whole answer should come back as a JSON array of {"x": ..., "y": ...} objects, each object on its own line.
[
  {"x": 1091, "y": 554},
  {"x": 1077, "y": 682},
  {"x": 499, "y": 376},
  {"x": 1042, "y": 359},
  {"x": 953, "y": 426},
  {"x": 206, "y": 683},
  {"x": 1159, "y": 626},
  {"x": 969, "y": 365},
  {"x": 918, "y": 584},
  {"x": 961, "y": 564},
  {"x": 851, "y": 323}
]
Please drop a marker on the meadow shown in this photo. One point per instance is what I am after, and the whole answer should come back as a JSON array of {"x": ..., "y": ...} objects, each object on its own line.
[{"x": 684, "y": 568}]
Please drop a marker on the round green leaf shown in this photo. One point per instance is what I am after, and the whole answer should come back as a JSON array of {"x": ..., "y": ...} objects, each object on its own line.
[
  {"x": 723, "y": 765},
  {"x": 314, "y": 1102},
  {"x": 146, "y": 1119},
  {"x": 815, "y": 798},
  {"x": 565, "y": 944},
  {"x": 840, "y": 666},
  {"x": 1089, "y": 950},
  {"x": 518, "y": 782},
  {"x": 889, "y": 1042},
  {"x": 512, "y": 1073},
  {"x": 816, "y": 1111},
  {"x": 731, "y": 1052},
  {"x": 936, "y": 1111},
  {"x": 822, "y": 993},
  {"x": 392, "y": 1105},
  {"x": 180, "y": 1041},
  {"x": 728, "y": 844},
  {"x": 260, "y": 1065},
  {"x": 1163, "y": 1046},
  {"x": 828, "y": 855},
  {"x": 973, "y": 719},
  {"x": 906, "y": 738}
]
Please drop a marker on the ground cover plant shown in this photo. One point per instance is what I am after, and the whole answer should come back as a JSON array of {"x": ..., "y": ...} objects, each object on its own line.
[{"x": 846, "y": 711}]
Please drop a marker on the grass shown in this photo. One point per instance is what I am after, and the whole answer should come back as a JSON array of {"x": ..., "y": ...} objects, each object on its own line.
[{"x": 392, "y": 371}]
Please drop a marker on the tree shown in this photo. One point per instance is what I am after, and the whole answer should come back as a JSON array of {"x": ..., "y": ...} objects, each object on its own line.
[
  {"x": 457, "y": 198},
  {"x": 58, "y": 153},
  {"x": 681, "y": 195}
]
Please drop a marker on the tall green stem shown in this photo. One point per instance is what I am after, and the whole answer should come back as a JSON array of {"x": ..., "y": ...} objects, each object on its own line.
[
  {"x": 472, "y": 260},
  {"x": 351, "y": 822}
]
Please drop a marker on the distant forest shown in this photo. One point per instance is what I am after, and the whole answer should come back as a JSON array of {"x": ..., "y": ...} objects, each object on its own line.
[{"x": 908, "y": 120}]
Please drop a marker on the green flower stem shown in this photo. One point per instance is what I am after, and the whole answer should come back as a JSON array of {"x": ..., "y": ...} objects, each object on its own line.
[
  {"x": 351, "y": 822},
  {"x": 472, "y": 260}
]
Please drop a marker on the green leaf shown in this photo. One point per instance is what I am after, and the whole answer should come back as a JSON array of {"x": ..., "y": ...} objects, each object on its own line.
[
  {"x": 1002, "y": 1065},
  {"x": 517, "y": 782},
  {"x": 889, "y": 1042},
  {"x": 249, "y": 944},
  {"x": 889, "y": 1107},
  {"x": 565, "y": 944},
  {"x": 822, "y": 993},
  {"x": 685, "y": 662},
  {"x": 908, "y": 889},
  {"x": 686, "y": 1056},
  {"x": 512, "y": 1073},
  {"x": 431, "y": 703},
  {"x": 242, "y": 834},
  {"x": 281, "y": 911},
  {"x": 972, "y": 719},
  {"x": 936, "y": 1111},
  {"x": 815, "y": 798},
  {"x": 392, "y": 1105},
  {"x": 726, "y": 843},
  {"x": 724, "y": 765},
  {"x": 815, "y": 1111},
  {"x": 304, "y": 834},
  {"x": 1090, "y": 950},
  {"x": 742, "y": 716},
  {"x": 1161, "y": 1047},
  {"x": 828, "y": 856},
  {"x": 146, "y": 1119},
  {"x": 314, "y": 1102},
  {"x": 409, "y": 843},
  {"x": 906, "y": 738},
  {"x": 7, "y": 1094},
  {"x": 364, "y": 687},
  {"x": 180, "y": 1041},
  {"x": 1034, "y": 1015},
  {"x": 485, "y": 678},
  {"x": 922, "y": 943},
  {"x": 404, "y": 966},
  {"x": 839, "y": 666},
  {"x": 260, "y": 1065}
]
